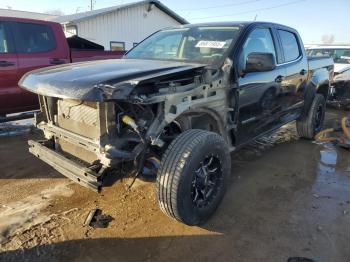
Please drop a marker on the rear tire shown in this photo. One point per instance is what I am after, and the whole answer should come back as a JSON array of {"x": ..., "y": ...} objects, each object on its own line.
[
  {"x": 310, "y": 124},
  {"x": 191, "y": 178}
]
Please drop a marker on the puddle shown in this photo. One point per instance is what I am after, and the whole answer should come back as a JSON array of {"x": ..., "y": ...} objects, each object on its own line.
[
  {"x": 19, "y": 216},
  {"x": 331, "y": 171},
  {"x": 332, "y": 158},
  {"x": 328, "y": 157},
  {"x": 328, "y": 161}
]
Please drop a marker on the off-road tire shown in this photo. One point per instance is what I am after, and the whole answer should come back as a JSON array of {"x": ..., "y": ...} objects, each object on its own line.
[
  {"x": 307, "y": 126},
  {"x": 177, "y": 171}
]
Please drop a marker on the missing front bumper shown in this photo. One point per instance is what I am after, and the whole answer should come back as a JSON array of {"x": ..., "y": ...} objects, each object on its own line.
[{"x": 67, "y": 167}]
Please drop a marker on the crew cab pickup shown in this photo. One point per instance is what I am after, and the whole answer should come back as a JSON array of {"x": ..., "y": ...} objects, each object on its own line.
[
  {"x": 176, "y": 106},
  {"x": 30, "y": 44}
]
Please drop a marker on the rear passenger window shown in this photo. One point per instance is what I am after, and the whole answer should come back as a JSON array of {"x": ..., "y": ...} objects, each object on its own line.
[
  {"x": 4, "y": 41},
  {"x": 33, "y": 38},
  {"x": 290, "y": 45}
]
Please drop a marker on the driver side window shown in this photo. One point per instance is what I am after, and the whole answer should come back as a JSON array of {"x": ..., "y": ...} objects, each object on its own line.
[{"x": 259, "y": 41}]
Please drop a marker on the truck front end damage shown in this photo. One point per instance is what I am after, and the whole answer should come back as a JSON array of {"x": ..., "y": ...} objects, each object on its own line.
[
  {"x": 124, "y": 125},
  {"x": 340, "y": 95},
  {"x": 76, "y": 135}
]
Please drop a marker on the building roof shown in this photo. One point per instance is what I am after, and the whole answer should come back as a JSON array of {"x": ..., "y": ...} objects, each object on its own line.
[
  {"x": 329, "y": 47},
  {"x": 91, "y": 14},
  {"x": 25, "y": 14}
]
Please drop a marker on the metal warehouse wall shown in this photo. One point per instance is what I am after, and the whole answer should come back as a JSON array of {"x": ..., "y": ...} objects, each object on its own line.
[{"x": 128, "y": 25}]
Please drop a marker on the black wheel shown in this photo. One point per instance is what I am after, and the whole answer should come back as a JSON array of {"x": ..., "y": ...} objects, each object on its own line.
[
  {"x": 310, "y": 124},
  {"x": 191, "y": 177}
]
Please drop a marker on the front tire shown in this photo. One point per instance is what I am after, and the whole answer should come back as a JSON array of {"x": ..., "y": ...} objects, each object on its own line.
[
  {"x": 191, "y": 178},
  {"x": 310, "y": 124}
]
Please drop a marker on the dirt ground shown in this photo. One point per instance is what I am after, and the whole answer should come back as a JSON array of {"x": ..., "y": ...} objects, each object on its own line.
[{"x": 286, "y": 197}]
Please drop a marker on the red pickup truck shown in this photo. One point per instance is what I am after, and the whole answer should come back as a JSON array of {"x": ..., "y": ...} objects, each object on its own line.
[{"x": 27, "y": 44}]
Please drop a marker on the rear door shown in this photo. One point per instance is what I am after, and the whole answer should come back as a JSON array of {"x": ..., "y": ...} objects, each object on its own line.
[
  {"x": 296, "y": 65},
  {"x": 8, "y": 70},
  {"x": 37, "y": 47}
]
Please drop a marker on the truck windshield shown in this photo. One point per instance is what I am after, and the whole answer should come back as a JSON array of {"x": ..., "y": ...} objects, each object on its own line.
[
  {"x": 195, "y": 44},
  {"x": 340, "y": 56}
]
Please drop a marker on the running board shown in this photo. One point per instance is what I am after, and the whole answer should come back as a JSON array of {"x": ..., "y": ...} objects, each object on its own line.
[
  {"x": 67, "y": 167},
  {"x": 21, "y": 116}
]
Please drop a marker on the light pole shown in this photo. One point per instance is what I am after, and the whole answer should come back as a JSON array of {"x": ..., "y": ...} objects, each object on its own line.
[{"x": 92, "y": 3}]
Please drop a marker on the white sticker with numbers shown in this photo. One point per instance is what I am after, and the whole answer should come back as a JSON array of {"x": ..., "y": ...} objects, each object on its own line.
[{"x": 211, "y": 44}]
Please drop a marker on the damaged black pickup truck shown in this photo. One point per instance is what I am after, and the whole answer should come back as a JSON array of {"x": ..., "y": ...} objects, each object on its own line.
[{"x": 176, "y": 106}]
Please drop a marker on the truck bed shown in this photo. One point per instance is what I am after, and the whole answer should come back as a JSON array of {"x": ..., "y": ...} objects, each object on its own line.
[{"x": 316, "y": 62}]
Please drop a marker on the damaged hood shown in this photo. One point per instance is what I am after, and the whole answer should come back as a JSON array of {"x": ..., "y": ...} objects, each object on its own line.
[{"x": 100, "y": 80}]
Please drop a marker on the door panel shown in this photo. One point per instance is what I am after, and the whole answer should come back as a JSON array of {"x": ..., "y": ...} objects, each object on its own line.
[
  {"x": 260, "y": 93},
  {"x": 296, "y": 83},
  {"x": 8, "y": 70},
  {"x": 296, "y": 65},
  {"x": 260, "y": 99},
  {"x": 36, "y": 48}
]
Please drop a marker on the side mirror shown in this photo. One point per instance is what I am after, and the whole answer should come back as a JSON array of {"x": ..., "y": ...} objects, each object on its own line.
[{"x": 259, "y": 62}]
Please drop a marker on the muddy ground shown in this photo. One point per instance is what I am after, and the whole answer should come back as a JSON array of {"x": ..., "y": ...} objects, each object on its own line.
[{"x": 286, "y": 197}]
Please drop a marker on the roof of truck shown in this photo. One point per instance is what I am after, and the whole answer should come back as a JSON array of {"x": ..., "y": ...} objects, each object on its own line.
[{"x": 234, "y": 23}]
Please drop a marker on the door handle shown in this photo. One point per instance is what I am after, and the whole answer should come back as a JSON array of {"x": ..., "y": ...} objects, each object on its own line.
[
  {"x": 6, "y": 63},
  {"x": 57, "y": 61},
  {"x": 279, "y": 79},
  {"x": 303, "y": 72}
]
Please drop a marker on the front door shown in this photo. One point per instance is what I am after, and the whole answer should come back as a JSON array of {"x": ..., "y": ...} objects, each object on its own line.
[
  {"x": 8, "y": 70},
  {"x": 259, "y": 92},
  {"x": 36, "y": 47}
]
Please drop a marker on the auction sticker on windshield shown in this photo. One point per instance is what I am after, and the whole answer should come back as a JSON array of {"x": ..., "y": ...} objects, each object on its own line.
[{"x": 211, "y": 44}]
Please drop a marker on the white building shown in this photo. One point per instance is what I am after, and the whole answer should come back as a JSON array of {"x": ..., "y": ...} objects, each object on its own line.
[
  {"x": 120, "y": 27},
  {"x": 26, "y": 14}
]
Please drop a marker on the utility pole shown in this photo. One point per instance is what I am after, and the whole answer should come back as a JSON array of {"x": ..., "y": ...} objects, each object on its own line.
[{"x": 92, "y": 3}]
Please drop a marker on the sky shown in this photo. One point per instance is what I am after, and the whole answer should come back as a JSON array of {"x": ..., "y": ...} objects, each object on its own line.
[{"x": 314, "y": 19}]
